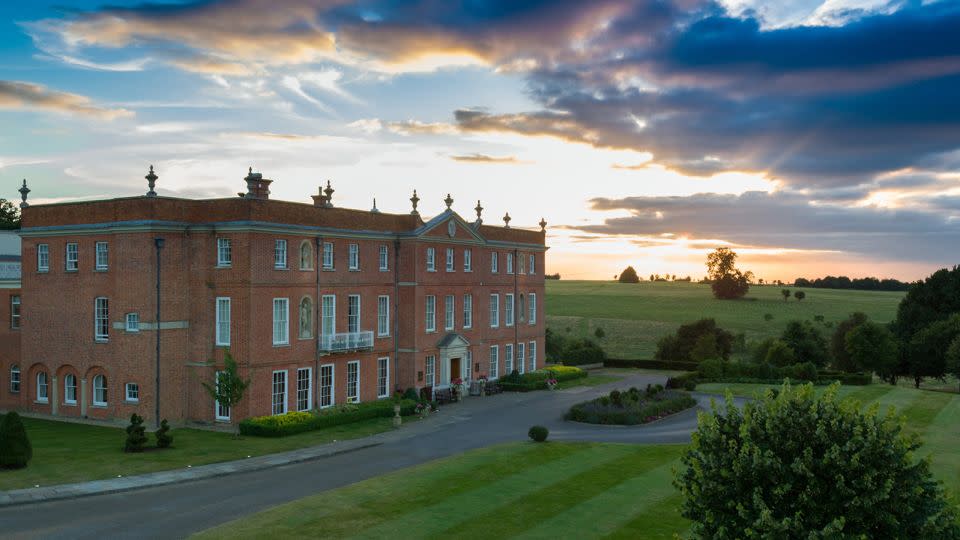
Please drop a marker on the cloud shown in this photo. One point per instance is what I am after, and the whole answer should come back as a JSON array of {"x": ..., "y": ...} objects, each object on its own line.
[
  {"x": 27, "y": 95},
  {"x": 293, "y": 84},
  {"x": 416, "y": 127},
  {"x": 483, "y": 158}
]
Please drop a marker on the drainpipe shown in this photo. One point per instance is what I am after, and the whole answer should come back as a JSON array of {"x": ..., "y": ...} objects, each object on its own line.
[
  {"x": 158, "y": 244},
  {"x": 516, "y": 313},
  {"x": 317, "y": 306},
  {"x": 396, "y": 314}
]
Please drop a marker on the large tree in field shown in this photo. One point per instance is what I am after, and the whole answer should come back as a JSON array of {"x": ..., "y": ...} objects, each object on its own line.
[
  {"x": 629, "y": 276},
  {"x": 933, "y": 299},
  {"x": 927, "y": 350},
  {"x": 872, "y": 347},
  {"x": 9, "y": 215},
  {"x": 726, "y": 280},
  {"x": 796, "y": 466}
]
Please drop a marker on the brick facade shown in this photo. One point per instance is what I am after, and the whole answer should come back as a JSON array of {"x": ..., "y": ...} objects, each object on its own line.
[{"x": 57, "y": 335}]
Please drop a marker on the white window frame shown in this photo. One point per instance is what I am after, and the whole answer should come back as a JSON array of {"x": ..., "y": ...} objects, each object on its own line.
[
  {"x": 278, "y": 388},
  {"x": 430, "y": 311},
  {"x": 430, "y": 371},
  {"x": 466, "y": 368},
  {"x": 281, "y": 325},
  {"x": 126, "y": 392},
  {"x": 280, "y": 254},
  {"x": 331, "y": 317},
  {"x": 15, "y": 315},
  {"x": 219, "y": 412},
  {"x": 384, "y": 258},
  {"x": 353, "y": 387},
  {"x": 508, "y": 358},
  {"x": 45, "y": 385},
  {"x": 100, "y": 402},
  {"x": 431, "y": 259},
  {"x": 522, "y": 356},
  {"x": 224, "y": 253},
  {"x": 132, "y": 323},
  {"x": 67, "y": 387},
  {"x": 532, "y": 306},
  {"x": 222, "y": 309},
  {"x": 494, "y": 368},
  {"x": 15, "y": 379},
  {"x": 509, "y": 263},
  {"x": 102, "y": 256},
  {"x": 101, "y": 319},
  {"x": 383, "y": 315},
  {"x": 332, "y": 387},
  {"x": 508, "y": 310},
  {"x": 494, "y": 310},
  {"x": 532, "y": 267},
  {"x": 532, "y": 355},
  {"x": 383, "y": 377},
  {"x": 467, "y": 311},
  {"x": 467, "y": 260},
  {"x": 494, "y": 262},
  {"x": 451, "y": 263},
  {"x": 43, "y": 257},
  {"x": 328, "y": 260},
  {"x": 449, "y": 313},
  {"x": 353, "y": 261},
  {"x": 72, "y": 261},
  {"x": 353, "y": 319},
  {"x": 308, "y": 391}
]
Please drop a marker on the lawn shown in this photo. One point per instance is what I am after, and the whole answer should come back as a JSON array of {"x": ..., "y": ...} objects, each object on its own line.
[
  {"x": 526, "y": 490},
  {"x": 635, "y": 316},
  {"x": 66, "y": 452}
]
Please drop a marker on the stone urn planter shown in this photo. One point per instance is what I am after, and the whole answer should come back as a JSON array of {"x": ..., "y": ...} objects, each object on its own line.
[{"x": 397, "y": 419}]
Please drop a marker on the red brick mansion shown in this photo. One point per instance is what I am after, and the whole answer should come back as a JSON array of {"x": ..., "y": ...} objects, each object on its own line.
[{"x": 319, "y": 305}]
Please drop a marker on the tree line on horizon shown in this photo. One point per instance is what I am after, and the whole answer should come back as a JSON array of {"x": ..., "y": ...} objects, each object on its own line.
[{"x": 858, "y": 284}]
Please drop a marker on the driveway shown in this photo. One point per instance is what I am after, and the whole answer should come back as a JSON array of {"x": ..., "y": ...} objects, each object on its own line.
[{"x": 181, "y": 509}]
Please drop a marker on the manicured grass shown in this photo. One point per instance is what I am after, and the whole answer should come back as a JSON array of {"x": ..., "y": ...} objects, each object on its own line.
[
  {"x": 527, "y": 490},
  {"x": 65, "y": 452},
  {"x": 592, "y": 380},
  {"x": 635, "y": 316}
]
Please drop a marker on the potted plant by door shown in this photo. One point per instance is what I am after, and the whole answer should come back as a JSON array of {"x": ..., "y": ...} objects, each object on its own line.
[
  {"x": 458, "y": 388},
  {"x": 551, "y": 383}
]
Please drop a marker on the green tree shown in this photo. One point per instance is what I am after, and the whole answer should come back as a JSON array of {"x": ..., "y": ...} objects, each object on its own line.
[
  {"x": 780, "y": 354},
  {"x": 229, "y": 387},
  {"x": 795, "y": 466},
  {"x": 953, "y": 358},
  {"x": 726, "y": 281},
  {"x": 677, "y": 347},
  {"x": 933, "y": 299},
  {"x": 705, "y": 348},
  {"x": 15, "y": 448},
  {"x": 806, "y": 340},
  {"x": 799, "y": 295},
  {"x": 838, "y": 342},
  {"x": 872, "y": 347},
  {"x": 9, "y": 215},
  {"x": 785, "y": 293},
  {"x": 928, "y": 349},
  {"x": 629, "y": 276}
]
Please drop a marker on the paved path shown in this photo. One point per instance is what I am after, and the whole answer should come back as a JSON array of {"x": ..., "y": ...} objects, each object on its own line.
[{"x": 181, "y": 508}]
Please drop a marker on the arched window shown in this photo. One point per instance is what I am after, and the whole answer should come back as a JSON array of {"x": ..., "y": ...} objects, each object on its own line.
[
  {"x": 306, "y": 318},
  {"x": 70, "y": 389},
  {"x": 100, "y": 390},
  {"x": 14, "y": 378},
  {"x": 42, "y": 389},
  {"x": 306, "y": 255}
]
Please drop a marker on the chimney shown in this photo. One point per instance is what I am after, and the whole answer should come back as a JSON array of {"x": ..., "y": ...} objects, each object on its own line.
[{"x": 258, "y": 187}]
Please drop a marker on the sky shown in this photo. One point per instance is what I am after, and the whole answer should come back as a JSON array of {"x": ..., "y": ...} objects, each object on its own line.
[{"x": 813, "y": 137}]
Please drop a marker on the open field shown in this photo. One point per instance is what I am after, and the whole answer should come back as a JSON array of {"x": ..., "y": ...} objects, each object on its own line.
[
  {"x": 66, "y": 452},
  {"x": 556, "y": 490},
  {"x": 635, "y": 316}
]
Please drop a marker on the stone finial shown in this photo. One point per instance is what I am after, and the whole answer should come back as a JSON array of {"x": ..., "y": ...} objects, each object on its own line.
[
  {"x": 506, "y": 220},
  {"x": 328, "y": 193},
  {"x": 24, "y": 190},
  {"x": 448, "y": 201},
  {"x": 543, "y": 225},
  {"x": 415, "y": 200},
  {"x": 479, "y": 210},
  {"x": 374, "y": 209},
  {"x": 151, "y": 182}
]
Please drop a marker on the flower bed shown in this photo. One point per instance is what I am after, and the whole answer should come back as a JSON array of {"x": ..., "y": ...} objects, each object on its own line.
[
  {"x": 298, "y": 422},
  {"x": 538, "y": 380},
  {"x": 631, "y": 407}
]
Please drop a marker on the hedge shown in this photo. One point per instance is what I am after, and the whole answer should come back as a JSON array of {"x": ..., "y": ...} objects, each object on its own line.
[
  {"x": 631, "y": 407},
  {"x": 650, "y": 364},
  {"x": 292, "y": 423},
  {"x": 689, "y": 381},
  {"x": 537, "y": 380}
]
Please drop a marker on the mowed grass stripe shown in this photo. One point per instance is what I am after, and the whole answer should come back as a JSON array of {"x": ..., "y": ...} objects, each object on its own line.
[
  {"x": 604, "y": 513},
  {"x": 345, "y": 511},
  {"x": 941, "y": 441},
  {"x": 453, "y": 510},
  {"x": 661, "y": 520},
  {"x": 866, "y": 394},
  {"x": 511, "y": 518},
  {"x": 924, "y": 409}
]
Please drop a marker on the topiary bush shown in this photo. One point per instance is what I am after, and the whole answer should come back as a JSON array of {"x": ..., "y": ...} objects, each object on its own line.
[
  {"x": 411, "y": 394},
  {"x": 164, "y": 438},
  {"x": 136, "y": 434},
  {"x": 15, "y": 448},
  {"x": 538, "y": 433},
  {"x": 798, "y": 466}
]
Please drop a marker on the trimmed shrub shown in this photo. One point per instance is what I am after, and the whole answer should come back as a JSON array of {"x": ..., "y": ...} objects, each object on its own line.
[
  {"x": 299, "y": 422},
  {"x": 711, "y": 369},
  {"x": 164, "y": 438},
  {"x": 687, "y": 381},
  {"x": 15, "y": 448},
  {"x": 136, "y": 434},
  {"x": 538, "y": 433},
  {"x": 411, "y": 394},
  {"x": 650, "y": 364},
  {"x": 537, "y": 380}
]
